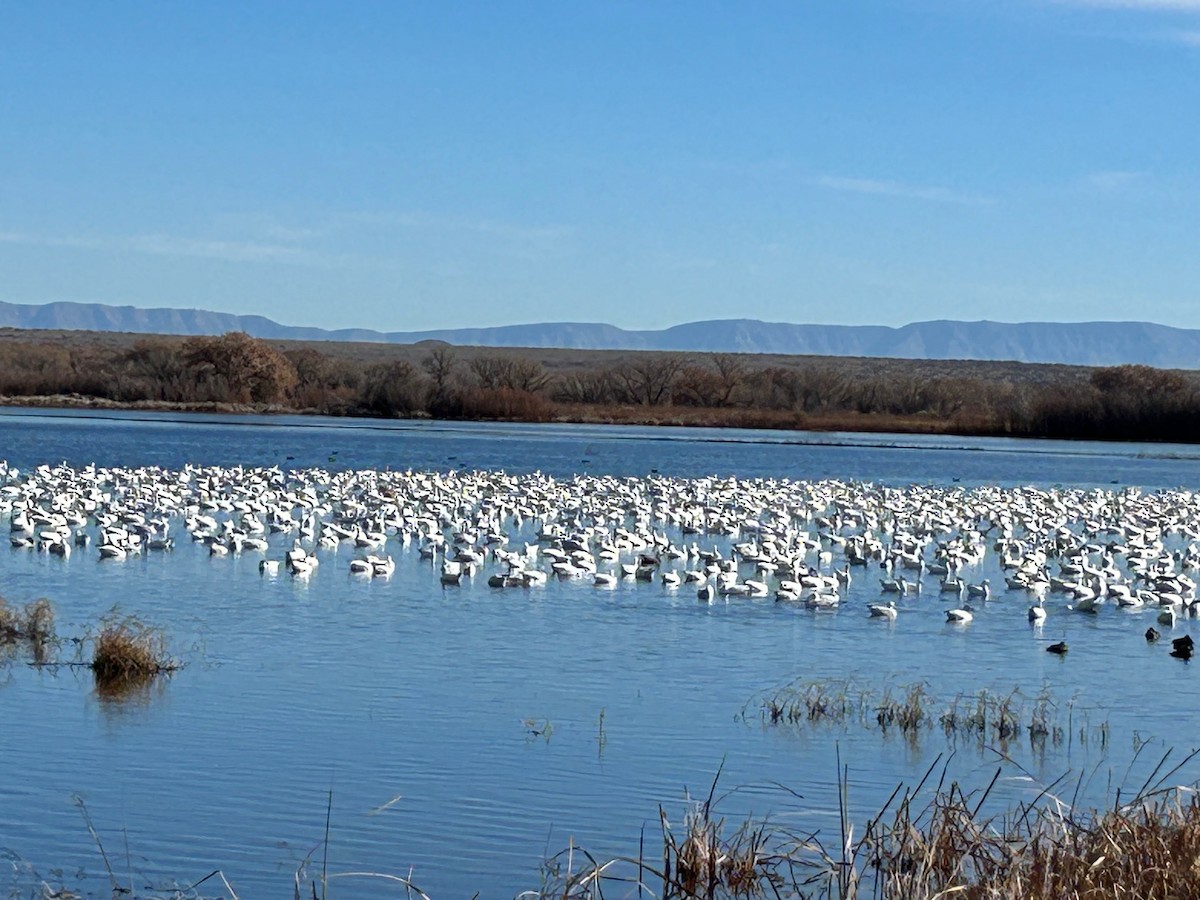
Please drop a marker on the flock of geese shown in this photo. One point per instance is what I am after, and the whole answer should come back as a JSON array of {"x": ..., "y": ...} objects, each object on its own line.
[{"x": 800, "y": 542}]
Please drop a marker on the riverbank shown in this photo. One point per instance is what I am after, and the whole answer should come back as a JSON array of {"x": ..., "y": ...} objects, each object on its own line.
[
  {"x": 566, "y": 414},
  {"x": 235, "y": 373}
]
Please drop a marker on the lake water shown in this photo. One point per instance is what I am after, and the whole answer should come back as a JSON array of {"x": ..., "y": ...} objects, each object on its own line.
[{"x": 466, "y": 733}]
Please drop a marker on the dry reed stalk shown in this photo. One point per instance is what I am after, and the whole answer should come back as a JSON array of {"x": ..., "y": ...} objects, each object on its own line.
[
  {"x": 942, "y": 846},
  {"x": 33, "y": 622}
]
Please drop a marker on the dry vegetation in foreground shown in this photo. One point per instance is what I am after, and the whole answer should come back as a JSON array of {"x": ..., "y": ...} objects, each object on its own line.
[
  {"x": 931, "y": 841},
  {"x": 917, "y": 847},
  {"x": 236, "y": 372}
]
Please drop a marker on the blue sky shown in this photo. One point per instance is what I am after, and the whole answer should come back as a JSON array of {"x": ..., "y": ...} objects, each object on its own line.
[{"x": 406, "y": 166}]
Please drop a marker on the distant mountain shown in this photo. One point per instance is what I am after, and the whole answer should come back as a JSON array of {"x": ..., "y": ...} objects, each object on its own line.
[{"x": 1081, "y": 343}]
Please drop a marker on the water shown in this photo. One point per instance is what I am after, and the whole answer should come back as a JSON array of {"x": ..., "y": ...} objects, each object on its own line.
[{"x": 458, "y": 730}]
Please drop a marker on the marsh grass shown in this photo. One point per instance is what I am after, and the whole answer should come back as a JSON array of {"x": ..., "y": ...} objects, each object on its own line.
[
  {"x": 815, "y": 702},
  {"x": 27, "y": 628},
  {"x": 127, "y": 655},
  {"x": 934, "y": 840},
  {"x": 985, "y": 717},
  {"x": 33, "y": 622}
]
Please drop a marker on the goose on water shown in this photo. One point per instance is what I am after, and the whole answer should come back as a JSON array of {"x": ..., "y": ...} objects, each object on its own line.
[
  {"x": 883, "y": 610},
  {"x": 983, "y": 590},
  {"x": 1037, "y": 612}
]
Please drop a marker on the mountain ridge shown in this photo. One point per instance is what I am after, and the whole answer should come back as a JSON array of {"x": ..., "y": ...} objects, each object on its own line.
[{"x": 1077, "y": 343}]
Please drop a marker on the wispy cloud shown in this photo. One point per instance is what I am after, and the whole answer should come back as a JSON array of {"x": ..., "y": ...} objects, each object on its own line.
[
  {"x": 1149, "y": 5},
  {"x": 1183, "y": 36},
  {"x": 164, "y": 245},
  {"x": 884, "y": 188},
  {"x": 258, "y": 239},
  {"x": 1113, "y": 180},
  {"x": 440, "y": 222}
]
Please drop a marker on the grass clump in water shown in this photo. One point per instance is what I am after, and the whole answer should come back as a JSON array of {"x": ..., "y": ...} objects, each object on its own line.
[
  {"x": 128, "y": 653},
  {"x": 906, "y": 713},
  {"x": 29, "y": 627},
  {"x": 818, "y": 701},
  {"x": 33, "y": 622}
]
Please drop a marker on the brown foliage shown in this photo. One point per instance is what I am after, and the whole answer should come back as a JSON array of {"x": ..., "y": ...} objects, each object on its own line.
[
  {"x": 504, "y": 403},
  {"x": 395, "y": 389},
  {"x": 237, "y": 368},
  {"x": 325, "y": 383},
  {"x": 1139, "y": 380}
]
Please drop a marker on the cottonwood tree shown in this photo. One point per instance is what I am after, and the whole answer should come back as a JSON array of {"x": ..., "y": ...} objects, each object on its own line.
[
  {"x": 592, "y": 386},
  {"x": 324, "y": 382},
  {"x": 710, "y": 385},
  {"x": 441, "y": 364},
  {"x": 515, "y": 373},
  {"x": 244, "y": 369},
  {"x": 395, "y": 388},
  {"x": 647, "y": 378},
  {"x": 1140, "y": 381}
]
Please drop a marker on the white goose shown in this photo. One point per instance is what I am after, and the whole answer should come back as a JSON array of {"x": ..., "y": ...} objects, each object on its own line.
[{"x": 883, "y": 610}]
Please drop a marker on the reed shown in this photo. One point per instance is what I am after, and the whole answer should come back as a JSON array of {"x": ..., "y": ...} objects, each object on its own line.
[
  {"x": 923, "y": 844},
  {"x": 705, "y": 862},
  {"x": 33, "y": 622},
  {"x": 910, "y": 710},
  {"x": 816, "y": 701},
  {"x": 907, "y": 713}
]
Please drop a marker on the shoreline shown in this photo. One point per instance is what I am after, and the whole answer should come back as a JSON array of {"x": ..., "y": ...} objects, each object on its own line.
[{"x": 562, "y": 414}]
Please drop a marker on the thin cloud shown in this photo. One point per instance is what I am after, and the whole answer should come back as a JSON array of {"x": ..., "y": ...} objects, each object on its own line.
[
  {"x": 437, "y": 222},
  {"x": 1183, "y": 36},
  {"x": 1145, "y": 5},
  {"x": 884, "y": 188},
  {"x": 163, "y": 245},
  {"x": 1113, "y": 180}
]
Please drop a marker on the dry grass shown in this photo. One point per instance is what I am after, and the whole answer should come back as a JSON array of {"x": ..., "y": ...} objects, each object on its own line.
[
  {"x": 33, "y": 622},
  {"x": 1144, "y": 848},
  {"x": 29, "y": 627},
  {"x": 128, "y": 654}
]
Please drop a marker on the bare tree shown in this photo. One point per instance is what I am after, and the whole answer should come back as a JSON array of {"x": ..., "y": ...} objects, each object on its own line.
[
  {"x": 441, "y": 364},
  {"x": 591, "y": 386},
  {"x": 732, "y": 371},
  {"x": 516, "y": 373},
  {"x": 647, "y": 378}
]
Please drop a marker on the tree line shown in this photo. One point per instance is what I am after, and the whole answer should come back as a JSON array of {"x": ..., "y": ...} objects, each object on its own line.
[{"x": 235, "y": 370}]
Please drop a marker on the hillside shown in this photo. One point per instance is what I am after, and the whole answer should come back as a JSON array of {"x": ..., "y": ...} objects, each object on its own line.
[{"x": 1080, "y": 343}]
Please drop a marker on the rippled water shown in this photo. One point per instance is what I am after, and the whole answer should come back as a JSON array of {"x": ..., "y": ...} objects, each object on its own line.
[{"x": 378, "y": 690}]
